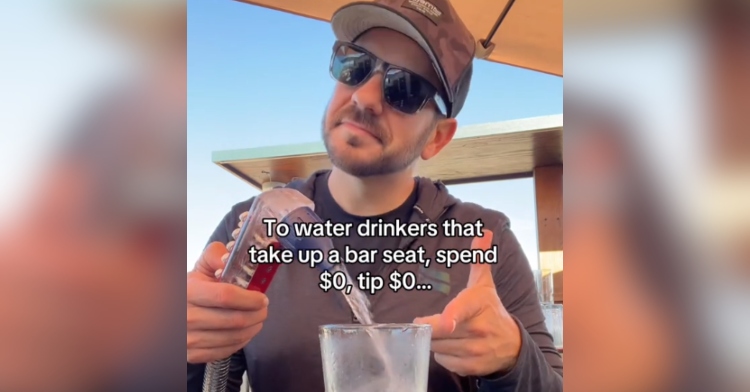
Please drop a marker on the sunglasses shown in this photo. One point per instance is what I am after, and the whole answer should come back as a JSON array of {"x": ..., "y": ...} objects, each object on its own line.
[{"x": 403, "y": 90}]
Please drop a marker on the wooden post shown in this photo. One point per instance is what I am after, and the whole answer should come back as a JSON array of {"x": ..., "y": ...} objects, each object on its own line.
[{"x": 548, "y": 185}]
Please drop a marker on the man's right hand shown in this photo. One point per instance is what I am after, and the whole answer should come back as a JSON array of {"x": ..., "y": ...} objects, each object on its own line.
[{"x": 221, "y": 318}]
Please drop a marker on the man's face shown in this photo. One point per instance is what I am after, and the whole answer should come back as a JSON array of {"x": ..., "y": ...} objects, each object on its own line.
[{"x": 365, "y": 136}]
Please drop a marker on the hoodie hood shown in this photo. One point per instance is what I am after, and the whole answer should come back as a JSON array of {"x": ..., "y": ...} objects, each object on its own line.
[{"x": 433, "y": 198}]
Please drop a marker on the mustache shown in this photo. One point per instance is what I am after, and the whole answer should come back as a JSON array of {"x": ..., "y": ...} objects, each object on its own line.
[{"x": 365, "y": 118}]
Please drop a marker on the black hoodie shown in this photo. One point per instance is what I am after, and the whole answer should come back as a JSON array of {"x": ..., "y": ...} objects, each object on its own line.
[{"x": 285, "y": 356}]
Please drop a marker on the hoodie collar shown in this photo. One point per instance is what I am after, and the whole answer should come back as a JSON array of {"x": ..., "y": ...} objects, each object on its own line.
[{"x": 433, "y": 197}]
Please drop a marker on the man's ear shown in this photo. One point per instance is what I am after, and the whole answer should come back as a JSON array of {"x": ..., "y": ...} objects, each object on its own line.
[{"x": 445, "y": 129}]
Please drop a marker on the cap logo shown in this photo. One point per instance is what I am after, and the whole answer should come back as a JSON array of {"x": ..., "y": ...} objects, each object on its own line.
[{"x": 425, "y": 8}]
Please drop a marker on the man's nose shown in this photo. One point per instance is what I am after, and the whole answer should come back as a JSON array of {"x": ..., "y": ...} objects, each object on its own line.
[{"x": 369, "y": 95}]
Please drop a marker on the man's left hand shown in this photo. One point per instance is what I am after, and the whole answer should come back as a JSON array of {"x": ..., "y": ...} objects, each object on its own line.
[{"x": 475, "y": 335}]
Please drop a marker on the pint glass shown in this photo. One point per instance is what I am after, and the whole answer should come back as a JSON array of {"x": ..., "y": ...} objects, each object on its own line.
[
  {"x": 375, "y": 358},
  {"x": 553, "y": 318}
]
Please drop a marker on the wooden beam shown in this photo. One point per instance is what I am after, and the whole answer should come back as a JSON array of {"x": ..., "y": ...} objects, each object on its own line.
[{"x": 548, "y": 184}]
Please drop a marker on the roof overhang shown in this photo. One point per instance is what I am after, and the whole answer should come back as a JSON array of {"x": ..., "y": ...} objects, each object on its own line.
[{"x": 477, "y": 153}]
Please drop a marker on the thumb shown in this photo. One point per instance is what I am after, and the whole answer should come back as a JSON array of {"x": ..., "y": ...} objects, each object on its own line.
[
  {"x": 211, "y": 260},
  {"x": 481, "y": 273},
  {"x": 465, "y": 306}
]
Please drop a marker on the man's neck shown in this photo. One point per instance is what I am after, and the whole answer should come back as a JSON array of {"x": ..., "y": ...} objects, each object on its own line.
[{"x": 370, "y": 196}]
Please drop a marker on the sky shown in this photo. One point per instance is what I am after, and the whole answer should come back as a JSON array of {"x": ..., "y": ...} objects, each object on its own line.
[{"x": 259, "y": 77}]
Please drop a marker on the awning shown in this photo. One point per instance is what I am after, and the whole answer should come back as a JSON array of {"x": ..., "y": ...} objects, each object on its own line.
[
  {"x": 525, "y": 33},
  {"x": 484, "y": 152}
]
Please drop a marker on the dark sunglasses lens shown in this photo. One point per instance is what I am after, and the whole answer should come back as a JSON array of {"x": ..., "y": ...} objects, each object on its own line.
[
  {"x": 405, "y": 91},
  {"x": 350, "y": 66}
]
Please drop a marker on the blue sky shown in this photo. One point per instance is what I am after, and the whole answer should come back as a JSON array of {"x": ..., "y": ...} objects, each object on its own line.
[{"x": 258, "y": 77}]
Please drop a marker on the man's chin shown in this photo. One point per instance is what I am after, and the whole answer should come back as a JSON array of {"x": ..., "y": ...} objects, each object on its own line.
[
  {"x": 355, "y": 165},
  {"x": 355, "y": 160}
]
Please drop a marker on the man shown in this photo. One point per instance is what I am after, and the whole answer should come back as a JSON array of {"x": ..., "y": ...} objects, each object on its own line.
[{"x": 403, "y": 70}]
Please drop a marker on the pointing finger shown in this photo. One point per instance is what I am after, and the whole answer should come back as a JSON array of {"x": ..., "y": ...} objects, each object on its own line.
[
  {"x": 481, "y": 273},
  {"x": 440, "y": 328},
  {"x": 484, "y": 242}
]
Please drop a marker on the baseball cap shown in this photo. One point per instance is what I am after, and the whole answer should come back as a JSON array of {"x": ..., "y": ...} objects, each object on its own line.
[{"x": 433, "y": 24}]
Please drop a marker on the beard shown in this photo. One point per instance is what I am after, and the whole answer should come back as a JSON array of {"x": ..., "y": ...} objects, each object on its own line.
[{"x": 388, "y": 161}]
